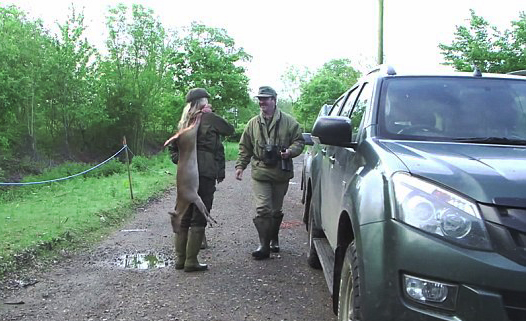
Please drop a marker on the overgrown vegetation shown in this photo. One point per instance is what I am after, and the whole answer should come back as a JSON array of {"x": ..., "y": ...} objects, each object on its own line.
[
  {"x": 39, "y": 220},
  {"x": 61, "y": 99}
]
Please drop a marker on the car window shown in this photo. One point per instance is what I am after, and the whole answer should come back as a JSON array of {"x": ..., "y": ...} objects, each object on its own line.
[
  {"x": 337, "y": 106},
  {"x": 358, "y": 111},
  {"x": 346, "y": 110}
]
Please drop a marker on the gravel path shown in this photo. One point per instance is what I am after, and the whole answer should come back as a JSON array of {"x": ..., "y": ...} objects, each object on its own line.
[{"x": 97, "y": 284}]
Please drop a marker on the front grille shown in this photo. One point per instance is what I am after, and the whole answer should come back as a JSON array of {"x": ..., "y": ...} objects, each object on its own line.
[
  {"x": 507, "y": 231},
  {"x": 515, "y": 303}
]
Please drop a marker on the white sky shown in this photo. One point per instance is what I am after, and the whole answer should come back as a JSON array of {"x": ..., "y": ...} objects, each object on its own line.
[{"x": 279, "y": 33}]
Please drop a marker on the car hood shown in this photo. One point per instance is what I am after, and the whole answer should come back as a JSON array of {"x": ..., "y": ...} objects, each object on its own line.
[{"x": 487, "y": 173}]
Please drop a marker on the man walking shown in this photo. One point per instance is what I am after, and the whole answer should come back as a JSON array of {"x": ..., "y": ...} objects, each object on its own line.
[{"x": 269, "y": 142}]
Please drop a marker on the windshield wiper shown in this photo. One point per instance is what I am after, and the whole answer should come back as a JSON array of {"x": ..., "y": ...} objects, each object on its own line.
[{"x": 491, "y": 140}]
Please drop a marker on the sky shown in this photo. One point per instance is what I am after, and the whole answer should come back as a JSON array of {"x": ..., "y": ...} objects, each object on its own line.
[{"x": 283, "y": 33}]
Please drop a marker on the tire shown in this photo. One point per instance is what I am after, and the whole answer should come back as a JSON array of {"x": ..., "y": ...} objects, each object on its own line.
[
  {"x": 312, "y": 258},
  {"x": 349, "y": 294}
]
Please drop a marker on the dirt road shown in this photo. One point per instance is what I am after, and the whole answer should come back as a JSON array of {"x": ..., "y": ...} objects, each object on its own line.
[{"x": 102, "y": 284}]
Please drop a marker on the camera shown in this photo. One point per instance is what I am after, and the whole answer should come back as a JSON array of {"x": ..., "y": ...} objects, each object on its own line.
[
  {"x": 286, "y": 163},
  {"x": 270, "y": 155}
]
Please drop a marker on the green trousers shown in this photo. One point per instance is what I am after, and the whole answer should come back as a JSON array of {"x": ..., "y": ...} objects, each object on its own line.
[{"x": 269, "y": 197}]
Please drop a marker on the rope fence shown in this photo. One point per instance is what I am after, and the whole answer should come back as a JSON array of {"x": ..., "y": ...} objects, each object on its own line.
[{"x": 125, "y": 147}]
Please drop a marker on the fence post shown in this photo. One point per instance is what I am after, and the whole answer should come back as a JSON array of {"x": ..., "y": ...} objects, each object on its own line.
[{"x": 128, "y": 164}]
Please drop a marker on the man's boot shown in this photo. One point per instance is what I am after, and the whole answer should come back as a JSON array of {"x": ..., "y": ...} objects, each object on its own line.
[
  {"x": 195, "y": 239},
  {"x": 181, "y": 239},
  {"x": 263, "y": 225},
  {"x": 274, "y": 239},
  {"x": 204, "y": 245}
]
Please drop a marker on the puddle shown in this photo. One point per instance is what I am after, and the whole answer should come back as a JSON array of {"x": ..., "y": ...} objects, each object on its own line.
[{"x": 143, "y": 261}]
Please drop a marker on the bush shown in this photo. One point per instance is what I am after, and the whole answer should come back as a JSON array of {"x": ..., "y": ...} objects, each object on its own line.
[
  {"x": 140, "y": 163},
  {"x": 114, "y": 166}
]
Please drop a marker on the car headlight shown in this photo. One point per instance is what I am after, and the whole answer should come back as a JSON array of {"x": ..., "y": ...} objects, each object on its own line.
[{"x": 437, "y": 211}]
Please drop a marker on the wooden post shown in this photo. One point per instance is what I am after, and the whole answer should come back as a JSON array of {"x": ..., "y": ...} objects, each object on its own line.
[{"x": 128, "y": 164}]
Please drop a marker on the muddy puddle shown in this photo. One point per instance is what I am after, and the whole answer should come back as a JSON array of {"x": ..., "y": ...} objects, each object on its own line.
[{"x": 141, "y": 261}]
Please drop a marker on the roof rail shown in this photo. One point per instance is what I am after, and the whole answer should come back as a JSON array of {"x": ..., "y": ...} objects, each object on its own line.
[{"x": 384, "y": 69}]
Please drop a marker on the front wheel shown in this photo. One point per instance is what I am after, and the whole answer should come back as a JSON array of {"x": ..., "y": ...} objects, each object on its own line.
[{"x": 349, "y": 295}]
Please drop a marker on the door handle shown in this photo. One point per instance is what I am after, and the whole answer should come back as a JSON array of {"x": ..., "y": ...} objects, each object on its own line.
[
  {"x": 324, "y": 151},
  {"x": 332, "y": 159}
]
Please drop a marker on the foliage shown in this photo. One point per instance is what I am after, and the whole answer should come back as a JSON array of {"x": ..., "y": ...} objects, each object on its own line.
[
  {"x": 61, "y": 99},
  {"x": 486, "y": 47},
  {"x": 326, "y": 85},
  {"x": 140, "y": 163}
]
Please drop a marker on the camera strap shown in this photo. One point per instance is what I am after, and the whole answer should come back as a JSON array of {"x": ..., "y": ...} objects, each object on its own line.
[{"x": 276, "y": 130}]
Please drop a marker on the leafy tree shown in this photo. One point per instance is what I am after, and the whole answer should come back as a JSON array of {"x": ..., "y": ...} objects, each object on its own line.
[
  {"x": 209, "y": 58},
  {"x": 135, "y": 74},
  {"x": 70, "y": 103},
  {"x": 293, "y": 78},
  {"x": 327, "y": 84},
  {"x": 24, "y": 49},
  {"x": 486, "y": 47}
]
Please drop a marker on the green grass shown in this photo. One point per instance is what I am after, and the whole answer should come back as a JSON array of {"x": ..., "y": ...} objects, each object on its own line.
[
  {"x": 41, "y": 218},
  {"x": 38, "y": 220},
  {"x": 231, "y": 150}
]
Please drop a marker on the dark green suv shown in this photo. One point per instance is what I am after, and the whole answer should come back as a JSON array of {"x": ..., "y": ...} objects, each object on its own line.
[{"x": 416, "y": 197}]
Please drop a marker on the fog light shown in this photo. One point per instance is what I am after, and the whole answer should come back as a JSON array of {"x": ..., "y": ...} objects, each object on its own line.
[{"x": 428, "y": 292}]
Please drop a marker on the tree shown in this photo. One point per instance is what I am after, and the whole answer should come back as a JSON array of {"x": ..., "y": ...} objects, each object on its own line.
[
  {"x": 136, "y": 73},
  {"x": 24, "y": 50},
  {"x": 327, "y": 84},
  {"x": 209, "y": 58},
  {"x": 70, "y": 104},
  {"x": 486, "y": 47}
]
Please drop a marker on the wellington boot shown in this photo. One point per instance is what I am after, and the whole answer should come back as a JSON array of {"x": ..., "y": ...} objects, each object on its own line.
[
  {"x": 263, "y": 225},
  {"x": 181, "y": 239},
  {"x": 195, "y": 239},
  {"x": 204, "y": 245},
  {"x": 274, "y": 234}
]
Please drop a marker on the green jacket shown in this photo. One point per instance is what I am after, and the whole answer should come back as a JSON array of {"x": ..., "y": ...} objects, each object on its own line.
[
  {"x": 210, "y": 150},
  {"x": 258, "y": 133}
]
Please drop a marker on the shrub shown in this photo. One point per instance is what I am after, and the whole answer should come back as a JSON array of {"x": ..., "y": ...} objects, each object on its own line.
[{"x": 140, "y": 163}]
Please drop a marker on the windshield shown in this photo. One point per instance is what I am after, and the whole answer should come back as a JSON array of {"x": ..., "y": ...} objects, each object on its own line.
[{"x": 454, "y": 109}]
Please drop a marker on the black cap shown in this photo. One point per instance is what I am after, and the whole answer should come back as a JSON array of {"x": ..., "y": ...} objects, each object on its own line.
[
  {"x": 196, "y": 93},
  {"x": 266, "y": 91}
]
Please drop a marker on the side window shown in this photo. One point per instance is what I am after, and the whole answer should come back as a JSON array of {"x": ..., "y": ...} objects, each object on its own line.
[
  {"x": 337, "y": 106},
  {"x": 350, "y": 102},
  {"x": 364, "y": 99}
]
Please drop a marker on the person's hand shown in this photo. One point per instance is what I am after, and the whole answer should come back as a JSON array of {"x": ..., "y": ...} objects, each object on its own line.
[
  {"x": 207, "y": 108},
  {"x": 239, "y": 174},
  {"x": 285, "y": 154}
]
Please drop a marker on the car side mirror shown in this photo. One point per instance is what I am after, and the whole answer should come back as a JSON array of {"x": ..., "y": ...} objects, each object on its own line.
[
  {"x": 308, "y": 139},
  {"x": 333, "y": 130}
]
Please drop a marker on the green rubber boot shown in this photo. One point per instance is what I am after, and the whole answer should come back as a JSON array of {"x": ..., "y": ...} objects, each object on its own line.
[
  {"x": 274, "y": 234},
  {"x": 195, "y": 239},
  {"x": 263, "y": 225},
  {"x": 181, "y": 239}
]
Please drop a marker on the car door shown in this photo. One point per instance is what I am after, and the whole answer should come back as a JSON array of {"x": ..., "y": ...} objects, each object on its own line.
[{"x": 342, "y": 166}]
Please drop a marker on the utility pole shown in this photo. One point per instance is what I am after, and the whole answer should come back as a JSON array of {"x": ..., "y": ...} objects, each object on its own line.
[{"x": 380, "y": 32}]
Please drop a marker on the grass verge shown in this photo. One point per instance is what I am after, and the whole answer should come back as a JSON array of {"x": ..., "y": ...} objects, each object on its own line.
[{"x": 38, "y": 220}]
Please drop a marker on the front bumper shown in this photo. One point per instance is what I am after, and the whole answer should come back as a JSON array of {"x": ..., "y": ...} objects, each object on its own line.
[{"x": 490, "y": 286}]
